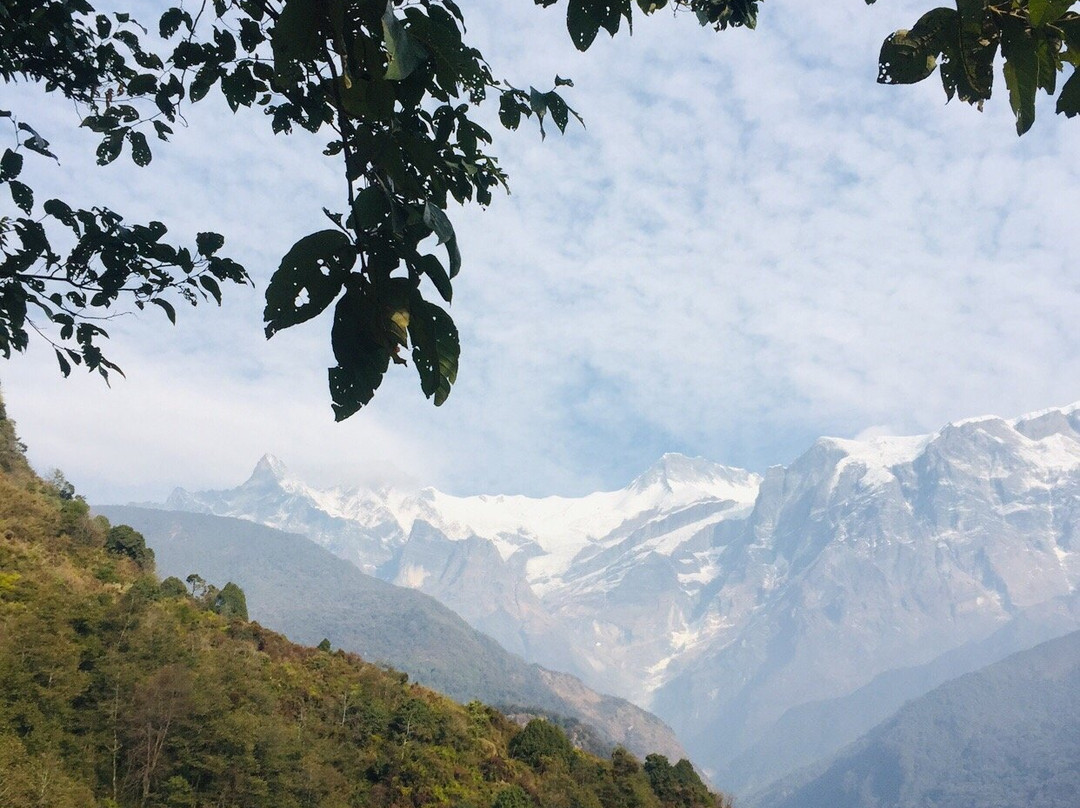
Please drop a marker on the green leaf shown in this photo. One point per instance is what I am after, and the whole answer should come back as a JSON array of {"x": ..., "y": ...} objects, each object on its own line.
[
  {"x": 296, "y": 36},
  {"x": 370, "y": 208},
  {"x": 433, "y": 268},
  {"x": 22, "y": 195},
  {"x": 405, "y": 53},
  {"x": 362, "y": 358},
  {"x": 140, "y": 149},
  {"x": 10, "y": 165},
  {"x": 170, "y": 21},
  {"x": 251, "y": 35},
  {"x": 316, "y": 266},
  {"x": 1071, "y": 29},
  {"x": 438, "y": 222},
  {"x": 1068, "y": 103},
  {"x": 143, "y": 84},
  {"x": 204, "y": 80},
  {"x": 167, "y": 307},
  {"x": 65, "y": 366},
  {"x": 373, "y": 100},
  {"x": 436, "y": 348},
  {"x": 510, "y": 109},
  {"x": 1044, "y": 12},
  {"x": 211, "y": 286},
  {"x": 62, "y": 212},
  {"x": 583, "y": 21},
  {"x": 455, "y": 257},
  {"x": 99, "y": 123},
  {"x": 1021, "y": 71},
  {"x": 559, "y": 110},
  {"x": 904, "y": 60},
  {"x": 109, "y": 148},
  {"x": 209, "y": 243}
]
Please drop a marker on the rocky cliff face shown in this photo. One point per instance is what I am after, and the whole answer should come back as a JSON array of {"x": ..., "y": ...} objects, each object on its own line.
[{"x": 725, "y": 601}]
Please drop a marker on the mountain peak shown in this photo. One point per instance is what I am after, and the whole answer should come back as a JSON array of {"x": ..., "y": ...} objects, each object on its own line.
[
  {"x": 269, "y": 469},
  {"x": 674, "y": 470}
]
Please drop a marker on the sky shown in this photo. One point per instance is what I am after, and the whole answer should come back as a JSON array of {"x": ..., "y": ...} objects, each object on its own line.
[{"x": 749, "y": 245}]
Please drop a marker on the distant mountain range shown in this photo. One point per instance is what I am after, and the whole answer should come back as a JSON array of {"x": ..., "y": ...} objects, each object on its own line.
[
  {"x": 1005, "y": 736},
  {"x": 751, "y": 613},
  {"x": 295, "y": 587}
]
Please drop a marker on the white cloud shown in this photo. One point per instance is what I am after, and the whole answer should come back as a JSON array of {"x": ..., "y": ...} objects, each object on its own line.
[{"x": 750, "y": 244}]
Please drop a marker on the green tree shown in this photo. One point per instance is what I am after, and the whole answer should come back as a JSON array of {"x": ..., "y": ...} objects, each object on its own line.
[
  {"x": 230, "y": 602},
  {"x": 173, "y": 587},
  {"x": 395, "y": 87},
  {"x": 541, "y": 742},
  {"x": 512, "y": 797},
  {"x": 126, "y": 541}
]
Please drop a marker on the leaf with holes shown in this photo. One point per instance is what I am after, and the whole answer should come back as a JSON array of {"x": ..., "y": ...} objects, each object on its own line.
[
  {"x": 315, "y": 268},
  {"x": 22, "y": 195},
  {"x": 436, "y": 348},
  {"x": 109, "y": 148},
  {"x": 140, "y": 149},
  {"x": 904, "y": 60}
]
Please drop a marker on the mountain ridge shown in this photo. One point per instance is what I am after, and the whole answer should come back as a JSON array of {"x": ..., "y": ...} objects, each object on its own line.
[
  {"x": 709, "y": 600},
  {"x": 1004, "y": 735}
]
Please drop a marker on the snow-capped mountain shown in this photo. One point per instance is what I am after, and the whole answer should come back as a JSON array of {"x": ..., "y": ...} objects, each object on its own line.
[{"x": 732, "y": 604}]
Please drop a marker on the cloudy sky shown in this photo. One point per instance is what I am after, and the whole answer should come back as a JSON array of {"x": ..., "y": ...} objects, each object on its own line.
[{"x": 750, "y": 245}]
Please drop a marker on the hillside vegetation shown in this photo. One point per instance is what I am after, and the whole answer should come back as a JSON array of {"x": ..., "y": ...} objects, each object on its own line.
[
  {"x": 118, "y": 690},
  {"x": 304, "y": 591}
]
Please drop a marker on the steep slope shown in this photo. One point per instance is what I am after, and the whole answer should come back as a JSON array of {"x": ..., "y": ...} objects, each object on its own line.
[
  {"x": 808, "y": 732},
  {"x": 120, "y": 691},
  {"x": 296, "y": 587},
  {"x": 1004, "y": 736}
]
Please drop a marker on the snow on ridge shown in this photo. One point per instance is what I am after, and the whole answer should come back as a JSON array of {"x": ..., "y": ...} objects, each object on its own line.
[
  {"x": 879, "y": 454},
  {"x": 883, "y": 451},
  {"x": 1068, "y": 409}
]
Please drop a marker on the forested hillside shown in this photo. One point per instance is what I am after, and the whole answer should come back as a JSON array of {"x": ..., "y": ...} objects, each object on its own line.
[
  {"x": 298, "y": 588},
  {"x": 118, "y": 690}
]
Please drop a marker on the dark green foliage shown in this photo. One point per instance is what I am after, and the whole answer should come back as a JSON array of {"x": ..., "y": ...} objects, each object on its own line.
[
  {"x": 1036, "y": 39},
  {"x": 12, "y": 450},
  {"x": 126, "y": 541},
  {"x": 324, "y": 646},
  {"x": 230, "y": 602},
  {"x": 173, "y": 587},
  {"x": 540, "y": 743},
  {"x": 294, "y": 586},
  {"x": 675, "y": 785},
  {"x": 512, "y": 797}
]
